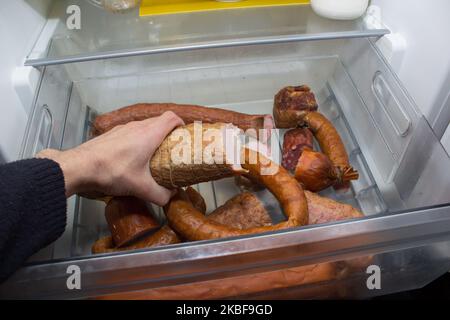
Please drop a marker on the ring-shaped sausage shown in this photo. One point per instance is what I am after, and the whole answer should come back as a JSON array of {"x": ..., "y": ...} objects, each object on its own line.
[{"x": 192, "y": 225}]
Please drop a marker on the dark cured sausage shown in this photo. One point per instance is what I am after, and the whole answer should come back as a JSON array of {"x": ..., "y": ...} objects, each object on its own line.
[
  {"x": 295, "y": 141},
  {"x": 291, "y": 103},
  {"x": 162, "y": 237},
  {"x": 316, "y": 172},
  {"x": 189, "y": 113},
  {"x": 128, "y": 218}
]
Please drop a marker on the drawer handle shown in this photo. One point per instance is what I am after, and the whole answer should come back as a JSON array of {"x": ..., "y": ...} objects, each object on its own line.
[
  {"x": 390, "y": 105},
  {"x": 44, "y": 130}
]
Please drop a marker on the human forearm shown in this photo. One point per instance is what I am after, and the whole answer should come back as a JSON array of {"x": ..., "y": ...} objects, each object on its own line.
[{"x": 79, "y": 172}]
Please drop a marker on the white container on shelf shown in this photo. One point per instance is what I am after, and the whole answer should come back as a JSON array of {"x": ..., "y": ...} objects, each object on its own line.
[
  {"x": 116, "y": 6},
  {"x": 340, "y": 9}
]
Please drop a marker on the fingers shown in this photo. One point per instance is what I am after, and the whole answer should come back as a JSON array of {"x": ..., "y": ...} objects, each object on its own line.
[
  {"x": 154, "y": 193},
  {"x": 160, "y": 127},
  {"x": 163, "y": 125}
]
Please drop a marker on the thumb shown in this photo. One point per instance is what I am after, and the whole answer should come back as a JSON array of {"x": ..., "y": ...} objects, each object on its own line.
[
  {"x": 154, "y": 193},
  {"x": 164, "y": 124}
]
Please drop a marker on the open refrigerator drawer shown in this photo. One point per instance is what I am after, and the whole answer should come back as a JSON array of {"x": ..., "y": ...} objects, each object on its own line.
[{"x": 401, "y": 189}]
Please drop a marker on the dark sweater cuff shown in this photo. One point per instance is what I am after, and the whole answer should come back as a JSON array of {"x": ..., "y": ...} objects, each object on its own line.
[{"x": 49, "y": 181}]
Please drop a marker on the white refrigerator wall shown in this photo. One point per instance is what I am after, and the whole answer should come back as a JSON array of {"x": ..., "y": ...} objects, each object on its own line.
[
  {"x": 424, "y": 67},
  {"x": 20, "y": 24}
]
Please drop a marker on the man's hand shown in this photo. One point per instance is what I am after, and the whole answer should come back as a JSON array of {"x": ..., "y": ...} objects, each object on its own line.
[{"x": 117, "y": 162}]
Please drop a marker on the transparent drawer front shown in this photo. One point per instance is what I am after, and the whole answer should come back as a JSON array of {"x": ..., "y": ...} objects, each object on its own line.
[
  {"x": 371, "y": 112},
  {"x": 359, "y": 278}
]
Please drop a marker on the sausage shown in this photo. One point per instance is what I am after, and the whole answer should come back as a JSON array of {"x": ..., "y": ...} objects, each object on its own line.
[
  {"x": 233, "y": 287},
  {"x": 189, "y": 113},
  {"x": 123, "y": 206},
  {"x": 193, "y": 225},
  {"x": 331, "y": 144},
  {"x": 174, "y": 164},
  {"x": 196, "y": 199},
  {"x": 296, "y": 106},
  {"x": 329, "y": 139},
  {"x": 128, "y": 218},
  {"x": 323, "y": 210},
  {"x": 246, "y": 211},
  {"x": 243, "y": 211},
  {"x": 162, "y": 237},
  {"x": 295, "y": 141},
  {"x": 291, "y": 104},
  {"x": 246, "y": 183},
  {"x": 316, "y": 172},
  {"x": 175, "y": 173},
  {"x": 171, "y": 174}
]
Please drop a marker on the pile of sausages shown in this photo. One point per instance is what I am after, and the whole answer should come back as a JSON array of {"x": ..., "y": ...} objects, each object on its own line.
[
  {"x": 296, "y": 107},
  {"x": 303, "y": 172}
]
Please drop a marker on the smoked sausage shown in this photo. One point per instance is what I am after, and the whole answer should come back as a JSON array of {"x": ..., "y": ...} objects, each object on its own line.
[{"x": 189, "y": 114}]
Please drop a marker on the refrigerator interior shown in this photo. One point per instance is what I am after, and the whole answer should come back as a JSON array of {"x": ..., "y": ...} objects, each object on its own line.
[
  {"x": 402, "y": 190},
  {"x": 389, "y": 142}
]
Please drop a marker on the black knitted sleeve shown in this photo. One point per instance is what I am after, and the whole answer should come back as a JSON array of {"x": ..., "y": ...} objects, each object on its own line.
[{"x": 32, "y": 210}]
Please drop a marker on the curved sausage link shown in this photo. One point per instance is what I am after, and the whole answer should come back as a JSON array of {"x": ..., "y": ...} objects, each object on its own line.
[
  {"x": 192, "y": 225},
  {"x": 196, "y": 199},
  {"x": 331, "y": 145},
  {"x": 329, "y": 139}
]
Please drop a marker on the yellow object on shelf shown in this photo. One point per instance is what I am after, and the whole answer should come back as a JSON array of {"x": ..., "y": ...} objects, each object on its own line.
[{"x": 158, "y": 7}]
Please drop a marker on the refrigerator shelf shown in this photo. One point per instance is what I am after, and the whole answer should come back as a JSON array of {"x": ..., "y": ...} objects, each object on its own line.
[{"x": 105, "y": 35}]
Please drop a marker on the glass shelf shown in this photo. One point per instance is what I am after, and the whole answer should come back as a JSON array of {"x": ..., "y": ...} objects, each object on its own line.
[{"x": 105, "y": 35}]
